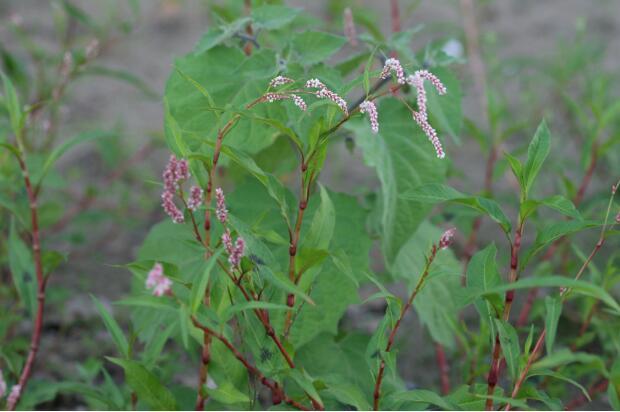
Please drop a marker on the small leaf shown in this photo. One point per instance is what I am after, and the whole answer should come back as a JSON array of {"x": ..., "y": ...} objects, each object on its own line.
[
  {"x": 11, "y": 100},
  {"x": 536, "y": 154},
  {"x": 509, "y": 341},
  {"x": 517, "y": 168},
  {"x": 425, "y": 397},
  {"x": 272, "y": 17},
  {"x": 112, "y": 327},
  {"x": 199, "y": 286},
  {"x": 553, "y": 306},
  {"x": 227, "y": 394},
  {"x": 255, "y": 304},
  {"x": 315, "y": 46},
  {"x": 149, "y": 301},
  {"x": 306, "y": 382},
  {"x": 147, "y": 386},
  {"x": 562, "y": 205},
  {"x": 323, "y": 222},
  {"x": 561, "y": 377}
]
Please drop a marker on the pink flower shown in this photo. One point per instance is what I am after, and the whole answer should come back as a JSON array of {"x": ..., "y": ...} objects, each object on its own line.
[
  {"x": 272, "y": 97},
  {"x": 325, "y": 93},
  {"x": 417, "y": 82},
  {"x": 182, "y": 170},
  {"x": 425, "y": 74},
  {"x": 393, "y": 65},
  {"x": 369, "y": 108},
  {"x": 227, "y": 241},
  {"x": 349, "y": 27},
  {"x": 170, "y": 208},
  {"x": 299, "y": 102},
  {"x": 158, "y": 281},
  {"x": 314, "y": 84},
  {"x": 430, "y": 133},
  {"x": 220, "y": 205},
  {"x": 13, "y": 397},
  {"x": 175, "y": 172},
  {"x": 446, "y": 238},
  {"x": 235, "y": 257},
  {"x": 2, "y": 385},
  {"x": 618, "y": 218},
  {"x": 195, "y": 198},
  {"x": 279, "y": 80}
]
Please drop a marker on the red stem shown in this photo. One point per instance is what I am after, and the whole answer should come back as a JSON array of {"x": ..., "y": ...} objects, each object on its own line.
[
  {"x": 392, "y": 336},
  {"x": 41, "y": 284},
  {"x": 444, "y": 370},
  {"x": 599, "y": 387},
  {"x": 277, "y": 393}
]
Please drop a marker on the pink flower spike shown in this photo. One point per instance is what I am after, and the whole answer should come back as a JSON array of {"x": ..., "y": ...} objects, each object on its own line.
[
  {"x": 391, "y": 65},
  {"x": 299, "y": 102},
  {"x": 227, "y": 242},
  {"x": 416, "y": 81},
  {"x": 446, "y": 238},
  {"x": 195, "y": 198},
  {"x": 272, "y": 97},
  {"x": 170, "y": 208},
  {"x": 182, "y": 170},
  {"x": 158, "y": 281},
  {"x": 13, "y": 397},
  {"x": 325, "y": 93},
  {"x": 425, "y": 74},
  {"x": 168, "y": 175},
  {"x": 430, "y": 133},
  {"x": 279, "y": 81},
  {"x": 220, "y": 205},
  {"x": 234, "y": 258},
  {"x": 369, "y": 108},
  {"x": 349, "y": 27},
  {"x": 314, "y": 84},
  {"x": 2, "y": 385}
]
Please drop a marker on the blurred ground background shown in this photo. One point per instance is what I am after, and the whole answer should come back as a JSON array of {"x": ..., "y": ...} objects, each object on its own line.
[{"x": 167, "y": 29}]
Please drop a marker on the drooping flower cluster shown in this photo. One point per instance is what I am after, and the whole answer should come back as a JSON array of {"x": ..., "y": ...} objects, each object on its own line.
[
  {"x": 195, "y": 198},
  {"x": 446, "y": 238},
  {"x": 167, "y": 202},
  {"x": 13, "y": 397},
  {"x": 393, "y": 65},
  {"x": 235, "y": 252},
  {"x": 175, "y": 172},
  {"x": 368, "y": 107},
  {"x": 158, "y": 281},
  {"x": 325, "y": 93},
  {"x": 299, "y": 102},
  {"x": 220, "y": 205},
  {"x": 272, "y": 97},
  {"x": 279, "y": 81}
]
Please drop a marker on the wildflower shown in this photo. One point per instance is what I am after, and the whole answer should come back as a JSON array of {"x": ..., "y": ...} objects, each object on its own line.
[
  {"x": 315, "y": 84},
  {"x": 170, "y": 208},
  {"x": 227, "y": 241},
  {"x": 220, "y": 205},
  {"x": 195, "y": 198},
  {"x": 446, "y": 238},
  {"x": 2, "y": 385},
  {"x": 430, "y": 133},
  {"x": 325, "y": 93},
  {"x": 175, "y": 172},
  {"x": 13, "y": 397},
  {"x": 182, "y": 170},
  {"x": 369, "y": 108},
  {"x": 279, "y": 81},
  {"x": 425, "y": 74},
  {"x": 390, "y": 65},
  {"x": 618, "y": 218},
  {"x": 158, "y": 281},
  {"x": 417, "y": 82},
  {"x": 299, "y": 102},
  {"x": 272, "y": 97},
  {"x": 349, "y": 27},
  {"x": 234, "y": 258}
]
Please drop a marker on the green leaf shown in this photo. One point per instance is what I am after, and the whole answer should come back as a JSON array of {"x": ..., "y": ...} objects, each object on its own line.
[
  {"x": 323, "y": 222},
  {"x": 425, "y": 397},
  {"x": 536, "y": 154},
  {"x": 553, "y": 306},
  {"x": 199, "y": 286},
  {"x": 148, "y": 301},
  {"x": 113, "y": 328},
  {"x": 255, "y": 304},
  {"x": 272, "y": 17},
  {"x": 348, "y": 394},
  {"x": 217, "y": 35},
  {"x": 22, "y": 270},
  {"x": 58, "y": 151},
  {"x": 561, "y": 377},
  {"x": 305, "y": 381},
  {"x": 315, "y": 46},
  {"x": 562, "y": 205},
  {"x": 147, "y": 386},
  {"x": 482, "y": 273},
  {"x": 432, "y": 193},
  {"x": 517, "y": 168},
  {"x": 13, "y": 106},
  {"x": 580, "y": 286},
  {"x": 445, "y": 111},
  {"x": 227, "y": 394},
  {"x": 509, "y": 341},
  {"x": 403, "y": 160}
]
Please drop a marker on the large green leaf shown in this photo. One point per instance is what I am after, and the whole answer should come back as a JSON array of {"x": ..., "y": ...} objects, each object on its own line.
[
  {"x": 553, "y": 306},
  {"x": 272, "y": 17},
  {"x": 403, "y": 159},
  {"x": 509, "y": 341},
  {"x": 315, "y": 46},
  {"x": 435, "y": 303},
  {"x": 148, "y": 387}
]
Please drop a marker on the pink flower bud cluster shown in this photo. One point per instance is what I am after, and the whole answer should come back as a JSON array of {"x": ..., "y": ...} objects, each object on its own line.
[
  {"x": 167, "y": 202},
  {"x": 158, "y": 281},
  {"x": 272, "y": 97},
  {"x": 235, "y": 252},
  {"x": 13, "y": 397},
  {"x": 195, "y": 198},
  {"x": 369, "y": 108},
  {"x": 393, "y": 65},
  {"x": 175, "y": 173},
  {"x": 220, "y": 205},
  {"x": 299, "y": 102},
  {"x": 325, "y": 93},
  {"x": 279, "y": 81},
  {"x": 446, "y": 238},
  {"x": 2, "y": 385},
  {"x": 430, "y": 132}
]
